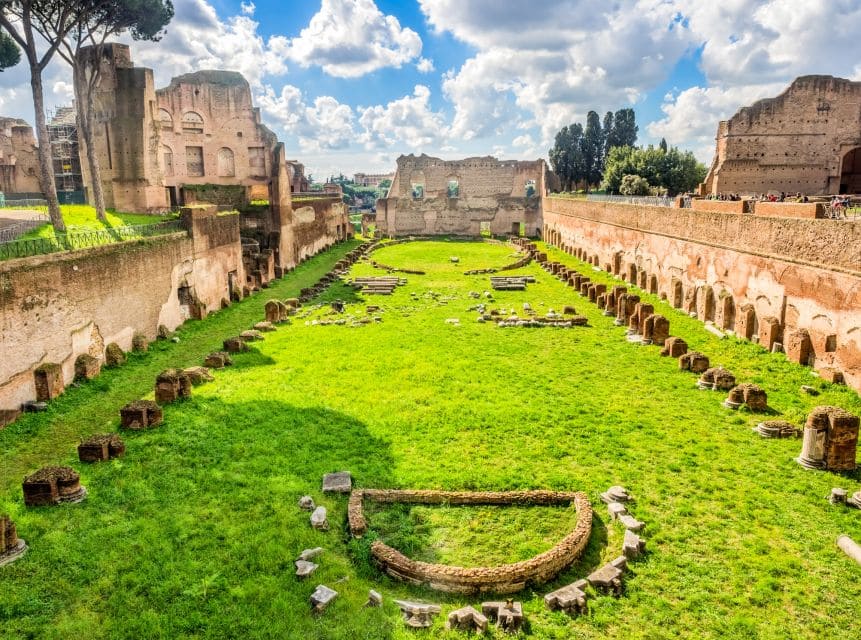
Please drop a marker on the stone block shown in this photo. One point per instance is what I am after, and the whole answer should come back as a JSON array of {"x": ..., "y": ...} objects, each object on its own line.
[
  {"x": 141, "y": 414},
  {"x": 717, "y": 379},
  {"x": 49, "y": 381},
  {"x": 101, "y": 447},
  {"x": 608, "y": 579},
  {"x": 251, "y": 336},
  {"x": 264, "y": 327},
  {"x": 674, "y": 347},
  {"x": 660, "y": 329},
  {"x": 507, "y": 615},
  {"x": 571, "y": 599},
  {"x": 467, "y": 619},
  {"x": 306, "y": 503},
  {"x": 418, "y": 615},
  {"x": 319, "y": 520},
  {"x": 798, "y": 346},
  {"x": 198, "y": 375},
  {"x": 776, "y": 429},
  {"x": 235, "y": 345},
  {"x": 770, "y": 331},
  {"x": 172, "y": 385},
  {"x": 52, "y": 485},
  {"x": 747, "y": 394},
  {"x": 218, "y": 360},
  {"x": 140, "y": 343},
  {"x": 633, "y": 546},
  {"x": 694, "y": 361},
  {"x": 615, "y": 494},
  {"x": 305, "y": 568},
  {"x": 834, "y": 438},
  {"x": 310, "y": 554},
  {"x": 616, "y": 509},
  {"x": 375, "y": 599},
  {"x": 11, "y": 546},
  {"x": 114, "y": 355},
  {"x": 832, "y": 375},
  {"x": 745, "y": 321},
  {"x": 87, "y": 367},
  {"x": 339, "y": 482},
  {"x": 322, "y": 598},
  {"x": 631, "y": 523}
]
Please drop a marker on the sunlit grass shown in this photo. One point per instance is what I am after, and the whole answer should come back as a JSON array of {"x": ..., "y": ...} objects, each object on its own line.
[{"x": 193, "y": 534}]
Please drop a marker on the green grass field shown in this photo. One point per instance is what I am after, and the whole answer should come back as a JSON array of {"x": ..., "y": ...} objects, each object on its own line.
[
  {"x": 193, "y": 533},
  {"x": 83, "y": 218}
]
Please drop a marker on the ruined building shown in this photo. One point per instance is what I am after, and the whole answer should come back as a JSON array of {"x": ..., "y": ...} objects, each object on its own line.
[
  {"x": 807, "y": 140},
  {"x": 19, "y": 160},
  {"x": 156, "y": 148},
  {"x": 465, "y": 197}
]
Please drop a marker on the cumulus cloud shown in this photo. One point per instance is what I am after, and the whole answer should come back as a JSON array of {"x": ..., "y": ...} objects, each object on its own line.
[
  {"x": 350, "y": 38},
  {"x": 425, "y": 65},
  {"x": 197, "y": 39},
  {"x": 325, "y": 124},
  {"x": 408, "y": 121}
]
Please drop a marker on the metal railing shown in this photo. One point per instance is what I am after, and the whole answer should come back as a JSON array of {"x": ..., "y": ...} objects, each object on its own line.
[
  {"x": 77, "y": 240},
  {"x": 10, "y": 233},
  {"x": 654, "y": 201},
  {"x": 26, "y": 202}
]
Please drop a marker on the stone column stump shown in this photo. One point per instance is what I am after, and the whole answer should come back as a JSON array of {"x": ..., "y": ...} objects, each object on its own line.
[
  {"x": 141, "y": 414},
  {"x": 49, "y": 381},
  {"x": 52, "y": 485}
]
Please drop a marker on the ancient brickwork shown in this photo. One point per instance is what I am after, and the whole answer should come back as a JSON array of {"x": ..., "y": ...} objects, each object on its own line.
[
  {"x": 430, "y": 196},
  {"x": 54, "y": 308},
  {"x": 19, "y": 160},
  {"x": 508, "y": 578},
  {"x": 805, "y": 140},
  {"x": 753, "y": 275}
]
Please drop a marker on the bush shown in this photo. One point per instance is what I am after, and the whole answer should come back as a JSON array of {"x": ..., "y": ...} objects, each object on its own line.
[{"x": 632, "y": 185}]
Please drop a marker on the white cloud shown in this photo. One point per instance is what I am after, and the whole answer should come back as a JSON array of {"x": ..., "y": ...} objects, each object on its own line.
[
  {"x": 247, "y": 8},
  {"x": 425, "y": 65},
  {"x": 351, "y": 38},
  {"x": 409, "y": 122},
  {"x": 197, "y": 39},
  {"x": 693, "y": 115},
  {"x": 324, "y": 125}
]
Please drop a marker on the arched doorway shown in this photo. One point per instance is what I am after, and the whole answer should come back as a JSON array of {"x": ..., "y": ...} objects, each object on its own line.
[{"x": 850, "y": 175}]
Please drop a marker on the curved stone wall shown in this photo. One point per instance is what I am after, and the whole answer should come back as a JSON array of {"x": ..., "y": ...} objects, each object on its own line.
[{"x": 508, "y": 578}]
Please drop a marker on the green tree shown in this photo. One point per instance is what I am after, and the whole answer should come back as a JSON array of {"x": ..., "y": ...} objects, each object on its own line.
[
  {"x": 624, "y": 129},
  {"x": 10, "y": 54},
  {"x": 663, "y": 146},
  {"x": 607, "y": 128},
  {"x": 566, "y": 156},
  {"x": 20, "y": 20},
  {"x": 673, "y": 170},
  {"x": 593, "y": 150},
  {"x": 632, "y": 185},
  {"x": 96, "y": 22}
]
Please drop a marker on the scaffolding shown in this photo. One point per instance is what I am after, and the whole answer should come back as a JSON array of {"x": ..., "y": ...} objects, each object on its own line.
[{"x": 63, "y": 135}]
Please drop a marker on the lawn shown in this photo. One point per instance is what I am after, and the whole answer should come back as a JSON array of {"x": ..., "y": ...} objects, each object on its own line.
[
  {"x": 81, "y": 217},
  {"x": 193, "y": 533}
]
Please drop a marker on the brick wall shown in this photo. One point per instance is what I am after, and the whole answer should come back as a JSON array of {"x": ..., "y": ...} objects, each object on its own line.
[{"x": 805, "y": 273}]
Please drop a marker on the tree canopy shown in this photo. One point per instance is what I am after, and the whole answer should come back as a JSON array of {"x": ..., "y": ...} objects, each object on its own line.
[
  {"x": 10, "y": 54},
  {"x": 673, "y": 171}
]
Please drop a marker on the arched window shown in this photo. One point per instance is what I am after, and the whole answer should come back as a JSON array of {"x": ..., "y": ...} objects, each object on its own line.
[
  {"x": 226, "y": 168},
  {"x": 192, "y": 122},
  {"x": 165, "y": 118}
]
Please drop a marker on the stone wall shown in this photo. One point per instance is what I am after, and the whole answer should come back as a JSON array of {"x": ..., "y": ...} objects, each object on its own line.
[
  {"x": 490, "y": 195},
  {"x": 508, "y": 578},
  {"x": 801, "y": 141},
  {"x": 19, "y": 158},
  {"x": 740, "y": 271},
  {"x": 56, "y": 307}
]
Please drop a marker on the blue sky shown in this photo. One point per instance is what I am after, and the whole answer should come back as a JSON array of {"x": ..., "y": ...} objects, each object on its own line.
[{"x": 349, "y": 85}]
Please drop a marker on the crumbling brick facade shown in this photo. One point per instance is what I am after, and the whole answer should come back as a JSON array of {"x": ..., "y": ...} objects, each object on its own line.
[
  {"x": 430, "y": 196},
  {"x": 19, "y": 160},
  {"x": 807, "y": 140}
]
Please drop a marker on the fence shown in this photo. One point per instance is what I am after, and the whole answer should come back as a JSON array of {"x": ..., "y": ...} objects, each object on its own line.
[
  {"x": 76, "y": 240},
  {"x": 7, "y": 234},
  {"x": 26, "y": 202},
  {"x": 654, "y": 201}
]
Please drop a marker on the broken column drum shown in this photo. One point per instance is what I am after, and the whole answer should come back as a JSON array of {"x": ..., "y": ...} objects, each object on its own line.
[{"x": 830, "y": 440}]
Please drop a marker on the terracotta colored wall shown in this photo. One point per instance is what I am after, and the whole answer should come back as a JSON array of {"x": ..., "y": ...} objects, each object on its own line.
[
  {"x": 721, "y": 206},
  {"x": 55, "y": 307},
  {"x": 790, "y": 209},
  {"x": 804, "y": 273}
]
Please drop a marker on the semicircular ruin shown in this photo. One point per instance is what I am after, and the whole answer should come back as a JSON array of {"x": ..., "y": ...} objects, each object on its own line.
[{"x": 506, "y": 578}]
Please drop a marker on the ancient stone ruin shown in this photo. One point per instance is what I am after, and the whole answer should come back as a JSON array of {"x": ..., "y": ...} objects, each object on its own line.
[
  {"x": 694, "y": 361},
  {"x": 52, "y": 485},
  {"x": 467, "y": 619},
  {"x": 674, "y": 348},
  {"x": 87, "y": 367},
  {"x": 507, "y": 615},
  {"x": 101, "y": 447},
  {"x": 141, "y": 414},
  {"x": 508, "y": 578},
  {"x": 418, "y": 615},
  {"x": 716, "y": 379},
  {"x": 49, "y": 381},
  {"x": 11, "y": 546},
  {"x": 830, "y": 439},
  {"x": 322, "y": 598},
  {"x": 747, "y": 394},
  {"x": 172, "y": 385},
  {"x": 777, "y": 429}
]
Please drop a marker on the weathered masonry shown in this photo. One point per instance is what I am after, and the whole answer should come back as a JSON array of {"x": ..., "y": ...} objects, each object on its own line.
[
  {"x": 431, "y": 196},
  {"x": 56, "y": 307},
  {"x": 807, "y": 140},
  {"x": 19, "y": 161},
  {"x": 794, "y": 282}
]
